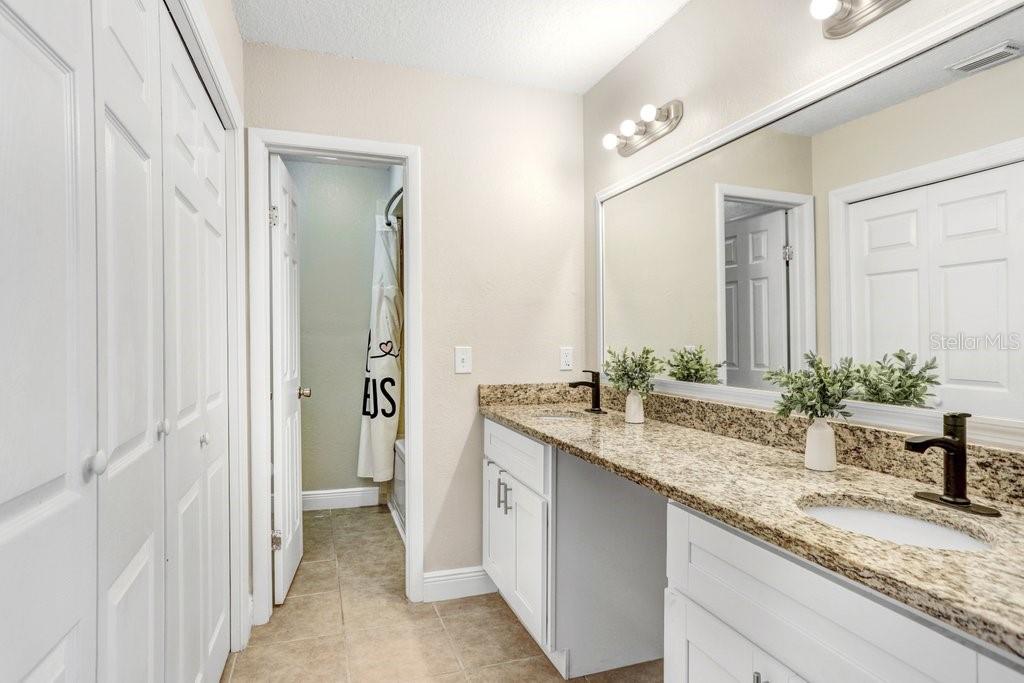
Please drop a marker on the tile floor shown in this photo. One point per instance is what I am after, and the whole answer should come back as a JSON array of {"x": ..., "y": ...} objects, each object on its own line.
[{"x": 347, "y": 619}]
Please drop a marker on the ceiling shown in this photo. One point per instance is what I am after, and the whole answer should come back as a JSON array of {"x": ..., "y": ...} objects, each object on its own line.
[{"x": 565, "y": 45}]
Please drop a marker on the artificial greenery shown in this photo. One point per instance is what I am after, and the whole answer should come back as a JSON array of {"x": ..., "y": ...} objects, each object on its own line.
[
  {"x": 690, "y": 365},
  {"x": 818, "y": 390},
  {"x": 631, "y": 371},
  {"x": 896, "y": 380}
]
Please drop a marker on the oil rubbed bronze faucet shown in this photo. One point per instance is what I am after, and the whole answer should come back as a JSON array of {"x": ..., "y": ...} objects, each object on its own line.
[
  {"x": 595, "y": 391},
  {"x": 954, "y": 444}
]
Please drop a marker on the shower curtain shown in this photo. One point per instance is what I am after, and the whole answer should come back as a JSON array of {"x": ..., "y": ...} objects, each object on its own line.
[{"x": 382, "y": 385}]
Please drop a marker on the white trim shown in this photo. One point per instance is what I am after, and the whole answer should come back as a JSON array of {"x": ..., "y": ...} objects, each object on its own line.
[
  {"x": 449, "y": 584},
  {"x": 803, "y": 314},
  {"x": 261, "y": 143},
  {"x": 332, "y": 499},
  {"x": 200, "y": 41},
  {"x": 397, "y": 519},
  {"x": 916, "y": 42}
]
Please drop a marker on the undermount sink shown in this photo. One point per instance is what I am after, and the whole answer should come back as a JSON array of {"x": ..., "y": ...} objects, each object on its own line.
[{"x": 895, "y": 527}]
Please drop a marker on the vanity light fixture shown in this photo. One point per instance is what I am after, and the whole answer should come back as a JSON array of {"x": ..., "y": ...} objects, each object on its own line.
[
  {"x": 655, "y": 122},
  {"x": 841, "y": 18}
]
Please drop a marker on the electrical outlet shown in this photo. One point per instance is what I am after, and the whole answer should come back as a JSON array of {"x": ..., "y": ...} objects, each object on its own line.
[
  {"x": 565, "y": 358},
  {"x": 463, "y": 360}
]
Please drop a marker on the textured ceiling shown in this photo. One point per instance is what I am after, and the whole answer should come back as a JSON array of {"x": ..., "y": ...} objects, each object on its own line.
[{"x": 560, "y": 44}]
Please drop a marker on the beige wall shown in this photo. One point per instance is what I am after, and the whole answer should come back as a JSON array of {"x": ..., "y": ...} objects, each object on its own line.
[
  {"x": 660, "y": 274},
  {"x": 225, "y": 29},
  {"x": 337, "y": 206},
  {"x": 725, "y": 60},
  {"x": 502, "y": 238}
]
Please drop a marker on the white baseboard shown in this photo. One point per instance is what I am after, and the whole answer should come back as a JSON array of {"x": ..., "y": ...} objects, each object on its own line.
[
  {"x": 329, "y": 499},
  {"x": 449, "y": 584}
]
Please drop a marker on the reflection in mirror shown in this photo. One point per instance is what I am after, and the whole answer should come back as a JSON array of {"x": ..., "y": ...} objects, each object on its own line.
[{"x": 888, "y": 217}]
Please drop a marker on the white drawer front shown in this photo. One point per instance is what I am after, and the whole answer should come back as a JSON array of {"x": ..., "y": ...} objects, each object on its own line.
[
  {"x": 522, "y": 457},
  {"x": 814, "y": 625}
]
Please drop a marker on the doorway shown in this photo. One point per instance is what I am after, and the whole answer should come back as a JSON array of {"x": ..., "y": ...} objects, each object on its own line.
[
  {"x": 281, "y": 381},
  {"x": 765, "y": 282}
]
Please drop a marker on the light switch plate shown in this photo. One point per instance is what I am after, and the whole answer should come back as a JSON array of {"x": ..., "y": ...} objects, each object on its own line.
[
  {"x": 565, "y": 358},
  {"x": 463, "y": 360}
]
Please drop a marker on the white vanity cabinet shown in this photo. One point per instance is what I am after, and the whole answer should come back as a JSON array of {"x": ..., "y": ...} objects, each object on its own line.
[
  {"x": 738, "y": 609},
  {"x": 515, "y": 523},
  {"x": 577, "y": 552}
]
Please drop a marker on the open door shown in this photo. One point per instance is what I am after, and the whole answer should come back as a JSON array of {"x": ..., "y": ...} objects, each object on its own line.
[{"x": 286, "y": 392}]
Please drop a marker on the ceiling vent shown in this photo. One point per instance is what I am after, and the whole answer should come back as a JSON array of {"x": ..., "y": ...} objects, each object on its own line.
[{"x": 986, "y": 59}]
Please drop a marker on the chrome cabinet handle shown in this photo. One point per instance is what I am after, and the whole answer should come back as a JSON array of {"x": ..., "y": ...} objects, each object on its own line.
[
  {"x": 497, "y": 498},
  {"x": 204, "y": 439},
  {"x": 305, "y": 392},
  {"x": 507, "y": 506},
  {"x": 757, "y": 678},
  {"x": 98, "y": 462}
]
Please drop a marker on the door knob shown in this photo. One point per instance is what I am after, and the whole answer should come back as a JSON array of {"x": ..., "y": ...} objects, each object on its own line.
[
  {"x": 98, "y": 463},
  {"x": 204, "y": 439},
  {"x": 305, "y": 392}
]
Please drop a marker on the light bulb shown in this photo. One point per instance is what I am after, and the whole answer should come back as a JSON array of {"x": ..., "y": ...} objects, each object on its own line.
[
  {"x": 823, "y": 9},
  {"x": 610, "y": 141},
  {"x": 648, "y": 113},
  {"x": 628, "y": 128}
]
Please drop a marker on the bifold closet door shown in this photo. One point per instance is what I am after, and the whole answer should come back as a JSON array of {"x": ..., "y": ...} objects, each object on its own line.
[
  {"x": 195, "y": 305},
  {"x": 48, "y": 448},
  {"x": 131, "y": 338}
]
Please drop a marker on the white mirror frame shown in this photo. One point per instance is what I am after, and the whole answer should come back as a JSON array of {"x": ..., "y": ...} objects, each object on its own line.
[{"x": 990, "y": 431}]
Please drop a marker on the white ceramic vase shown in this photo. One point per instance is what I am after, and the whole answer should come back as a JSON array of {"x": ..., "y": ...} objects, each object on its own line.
[
  {"x": 634, "y": 407},
  {"x": 820, "y": 450}
]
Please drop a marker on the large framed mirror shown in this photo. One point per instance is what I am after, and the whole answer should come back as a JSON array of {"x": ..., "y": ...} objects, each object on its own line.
[{"x": 882, "y": 223}]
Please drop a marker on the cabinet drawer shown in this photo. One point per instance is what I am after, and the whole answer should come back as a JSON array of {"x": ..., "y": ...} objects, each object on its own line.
[
  {"x": 811, "y": 622},
  {"x": 522, "y": 457}
]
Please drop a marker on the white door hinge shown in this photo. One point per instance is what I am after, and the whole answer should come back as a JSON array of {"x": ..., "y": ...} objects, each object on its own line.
[
  {"x": 163, "y": 428},
  {"x": 273, "y": 216},
  {"x": 788, "y": 253},
  {"x": 275, "y": 540}
]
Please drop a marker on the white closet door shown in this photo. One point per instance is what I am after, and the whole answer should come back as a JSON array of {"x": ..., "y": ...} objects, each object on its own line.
[
  {"x": 48, "y": 447},
  {"x": 755, "y": 298},
  {"x": 976, "y": 229},
  {"x": 196, "y": 371},
  {"x": 889, "y": 275},
  {"x": 284, "y": 278},
  {"x": 945, "y": 262},
  {"x": 131, "y": 364}
]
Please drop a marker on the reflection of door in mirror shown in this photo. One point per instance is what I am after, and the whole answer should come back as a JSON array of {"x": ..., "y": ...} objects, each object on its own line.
[
  {"x": 756, "y": 286},
  {"x": 936, "y": 270}
]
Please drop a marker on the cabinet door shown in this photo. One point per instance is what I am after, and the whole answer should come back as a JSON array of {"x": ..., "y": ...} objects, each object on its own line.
[
  {"x": 527, "y": 585},
  {"x": 497, "y": 541},
  {"x": 770, "y": 670}
]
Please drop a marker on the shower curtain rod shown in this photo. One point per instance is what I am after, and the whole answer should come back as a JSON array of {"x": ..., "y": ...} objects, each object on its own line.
[{"x": 387, "y": 210}]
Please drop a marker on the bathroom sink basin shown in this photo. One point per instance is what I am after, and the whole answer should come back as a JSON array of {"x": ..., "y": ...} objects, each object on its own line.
[{"x": 896, "y": 527}]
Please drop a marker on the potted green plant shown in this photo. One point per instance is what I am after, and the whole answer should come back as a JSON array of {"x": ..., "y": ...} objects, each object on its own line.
[
  {"x": 691, "y": 365},
  {"x": 818, "y": 391},
  {"x": 633, "y": 373},
  {"x": 896, "y": 380}
]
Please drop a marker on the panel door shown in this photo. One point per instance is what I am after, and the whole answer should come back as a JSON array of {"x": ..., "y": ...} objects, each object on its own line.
[
  {"x": 131, "y": 364},
  {"x": 755, "y": 299},
  {"x": 195, "y": 307},
  {"x": 889, "y": 265},
  {"x": 976, "y": 233},
  {"x": 497, "y": 538},
  {"x": 48, "y": 444},
  {"x": 287, "y": 416},
  {"x": 713, "y": 652},
  {"x": 527, "y": 581}
]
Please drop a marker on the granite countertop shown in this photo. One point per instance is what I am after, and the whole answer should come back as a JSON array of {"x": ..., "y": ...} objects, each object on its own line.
[{"x": 760, "y": 490}]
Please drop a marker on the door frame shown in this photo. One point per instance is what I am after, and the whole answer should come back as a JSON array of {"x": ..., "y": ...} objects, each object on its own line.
[
  {"x": 802, "y": 321},
  {"x": 197, "y": 33},
  {"x": 262, "y": 143}
]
